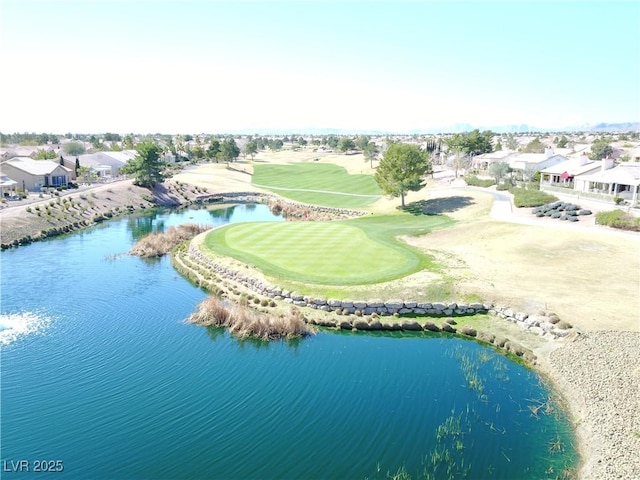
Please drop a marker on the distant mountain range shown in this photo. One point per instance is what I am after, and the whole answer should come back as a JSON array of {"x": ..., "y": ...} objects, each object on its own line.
[{"x": 455, "y": 128}]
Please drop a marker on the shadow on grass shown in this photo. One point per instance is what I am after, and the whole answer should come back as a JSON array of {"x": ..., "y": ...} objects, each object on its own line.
[{"x": 437, "y": 206}]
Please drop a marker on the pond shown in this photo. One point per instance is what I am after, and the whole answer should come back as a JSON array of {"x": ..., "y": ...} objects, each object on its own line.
[{"x": 100, "y": 372}]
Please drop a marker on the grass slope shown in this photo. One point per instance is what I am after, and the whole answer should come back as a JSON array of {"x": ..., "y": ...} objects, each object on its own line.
[
  {"x": 318, "y": 183},
  {"x": 349, "y": 252}
]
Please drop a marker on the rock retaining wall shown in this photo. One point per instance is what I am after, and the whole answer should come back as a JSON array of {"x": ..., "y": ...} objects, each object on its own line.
[
  {"x": 346, "y": 307},
  {"x": 542, "y": 323},
  {"x": 365, "y": 315}
]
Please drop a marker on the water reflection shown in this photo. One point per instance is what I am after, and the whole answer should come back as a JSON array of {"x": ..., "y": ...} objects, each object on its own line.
[
  {"x": 218, "y": 333},
  {"x": 224, "y": 214},
  {"x": 143, "y": 224}
]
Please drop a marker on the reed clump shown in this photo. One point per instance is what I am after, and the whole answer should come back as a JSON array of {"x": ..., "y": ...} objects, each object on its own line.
[
  {"x": 243, "y": 322},
  {"x": 159, "y": 244}
]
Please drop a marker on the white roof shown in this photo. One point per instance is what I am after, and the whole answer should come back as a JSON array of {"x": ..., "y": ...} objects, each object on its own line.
[
  {"x": 123, "y": 156},
  {"x": 499, "y": 155},
  {"x": 7, "y": 182},
  {"x": 572, "y": 167},
  {"x": 625, "y": 174},
  {"x": 531, "y": 157},
  {"x": 35, "y": 167}
]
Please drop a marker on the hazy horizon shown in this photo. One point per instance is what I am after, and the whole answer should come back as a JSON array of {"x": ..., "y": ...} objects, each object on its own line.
[{"x": 212, "y": 66}]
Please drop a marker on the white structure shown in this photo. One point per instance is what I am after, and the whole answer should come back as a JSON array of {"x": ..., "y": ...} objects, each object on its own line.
[
  {"x": 482, "y": 162},
  {"x": 611, "y": 181},
  {"x": 561, "y": 175},
  {"x": 8, "y": 187},
  {"x": 530, "y": 163},
  {"x": 104, "y": 164}
]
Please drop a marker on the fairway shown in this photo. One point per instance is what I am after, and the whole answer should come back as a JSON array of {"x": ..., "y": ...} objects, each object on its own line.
[
  {"x": 349, "y": 252},
  {"x": 317, "y": 183}
]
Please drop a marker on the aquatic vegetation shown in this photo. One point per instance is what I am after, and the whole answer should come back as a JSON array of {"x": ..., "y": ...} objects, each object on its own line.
[
  {"x": 243, "y": 322},
  {"x": 159, "y": 244}
]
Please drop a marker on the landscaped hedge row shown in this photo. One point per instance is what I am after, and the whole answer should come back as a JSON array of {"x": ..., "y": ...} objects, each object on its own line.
[
  {"x": 618, "y": 219},
  {"x": 474, "y": 181},
  {"x": 531, "y": 198}
]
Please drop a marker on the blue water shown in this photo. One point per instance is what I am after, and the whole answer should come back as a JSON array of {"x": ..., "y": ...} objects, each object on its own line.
[{"x": 100, "y": 371}]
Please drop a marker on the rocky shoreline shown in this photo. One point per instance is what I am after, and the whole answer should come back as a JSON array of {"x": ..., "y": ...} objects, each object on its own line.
[{"x": 599, "y": 376}]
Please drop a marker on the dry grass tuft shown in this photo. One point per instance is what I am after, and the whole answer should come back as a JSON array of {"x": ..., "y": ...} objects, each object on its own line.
[
  {"x": 245, "y": 322},
  {"x": 159, "y": 244}
]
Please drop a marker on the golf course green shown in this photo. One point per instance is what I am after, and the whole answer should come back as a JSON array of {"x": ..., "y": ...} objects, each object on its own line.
[
  {"x": 318, "y": 184},
  {"x": 358, "y": 251}
]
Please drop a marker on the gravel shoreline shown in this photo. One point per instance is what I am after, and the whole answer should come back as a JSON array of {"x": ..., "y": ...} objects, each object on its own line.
[{"x": 598, "y": 374}]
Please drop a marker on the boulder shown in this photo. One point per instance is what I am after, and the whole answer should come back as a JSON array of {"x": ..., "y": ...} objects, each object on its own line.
[
  {"x": 516, "y": 349},
  {"x": 411, "y": 325},
  {"x": 394, "y": 305},
  {"x": 432, "y": 327},
  {"x": 445, "y": 327},
  {"x": 375, "y": 325},
  {"x": 391, "y": 326},
  {"x": 469, "y": 331},
  {"x": 521, "y": 316},
  {"x": 361, "y": 325},
  {"x": 500, "y": 341},
  {"x": 345, "y": 325},
  {"x": 486, "y": 337}
]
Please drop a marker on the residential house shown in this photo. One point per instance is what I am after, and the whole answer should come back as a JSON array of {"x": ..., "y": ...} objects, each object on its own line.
[
  {"x": 482, "y": 162},
  {"x": 32, "y": 175},
  {"x": 105, "y": 165},
  {"x": 560, "y": 177},
  {"x": 611, "y": 181},
  {"x": 526, "y": 164}
]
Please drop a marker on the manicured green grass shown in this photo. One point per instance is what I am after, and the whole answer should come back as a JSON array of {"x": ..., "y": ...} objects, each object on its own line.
[
  {"x": 318, "y": 183},
  {"x": 348, "y": 252}
]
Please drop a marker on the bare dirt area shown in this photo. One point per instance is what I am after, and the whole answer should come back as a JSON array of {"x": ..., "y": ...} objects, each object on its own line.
[{"x": 588, "y": 277}]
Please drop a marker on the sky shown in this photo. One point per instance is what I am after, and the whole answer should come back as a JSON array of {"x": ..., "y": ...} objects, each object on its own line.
[{"x": 213, "y": 67}]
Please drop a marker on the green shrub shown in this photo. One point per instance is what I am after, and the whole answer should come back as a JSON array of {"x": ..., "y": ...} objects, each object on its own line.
[
  {"x": 531, "y": 198},
  {"x": 618, "y": 219},
  {"x": 503, "y": 186},
  {"x": 474, "y": 181}
]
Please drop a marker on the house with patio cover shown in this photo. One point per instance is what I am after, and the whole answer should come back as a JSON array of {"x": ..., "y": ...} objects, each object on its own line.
[
  {"x": 600, "y": 180},
  {"x": 622, "y": 181},
  {"x": 559, "y": 178}
]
